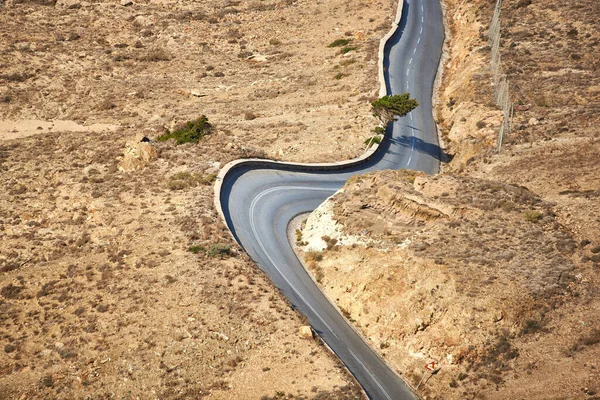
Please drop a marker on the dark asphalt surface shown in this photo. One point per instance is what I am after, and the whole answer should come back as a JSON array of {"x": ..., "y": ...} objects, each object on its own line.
[{"x": 259, "y": 199}]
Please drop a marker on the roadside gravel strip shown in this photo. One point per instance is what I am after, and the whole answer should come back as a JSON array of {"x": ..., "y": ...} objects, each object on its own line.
[{"x": 258, "y": 198}]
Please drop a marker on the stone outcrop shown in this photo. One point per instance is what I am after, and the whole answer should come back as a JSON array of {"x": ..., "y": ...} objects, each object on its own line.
[{"x": 137, "y": 155}]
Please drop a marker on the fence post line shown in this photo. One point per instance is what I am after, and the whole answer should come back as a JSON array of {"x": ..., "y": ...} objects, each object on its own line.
[{"x": 499, "y": 79}]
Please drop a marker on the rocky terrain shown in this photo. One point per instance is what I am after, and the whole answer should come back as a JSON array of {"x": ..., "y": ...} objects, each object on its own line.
[
  {"x": 476, "y": 275},
  {"x": 253, "y": 67},
  {"x": 491, "y": 268},
  {"x": 117, "y": 277}
]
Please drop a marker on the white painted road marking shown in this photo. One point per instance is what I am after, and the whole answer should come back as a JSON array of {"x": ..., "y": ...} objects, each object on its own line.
[
  {"x": 260, "y": 243},
  {"x": 370, "y": 374}
]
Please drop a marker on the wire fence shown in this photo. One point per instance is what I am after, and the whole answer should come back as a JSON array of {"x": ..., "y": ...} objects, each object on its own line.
[{"x": 501, "y": 85}]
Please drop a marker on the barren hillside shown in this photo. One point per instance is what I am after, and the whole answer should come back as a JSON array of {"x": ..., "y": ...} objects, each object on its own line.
[{"x": 476, "y": 275}]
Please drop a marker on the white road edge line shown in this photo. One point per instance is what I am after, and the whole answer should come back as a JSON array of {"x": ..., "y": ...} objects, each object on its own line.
[
  {"x": 370, "y": 374},
  {"x": 260, "y": 243}
]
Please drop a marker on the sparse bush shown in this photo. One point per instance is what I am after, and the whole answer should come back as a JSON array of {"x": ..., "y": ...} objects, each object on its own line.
[
  {"x": 347, "y": 49},
  {"x": 587, "y": 340},
  {"x": 11, "y": 291},
  {"x": 522, "y": 3},
  {"x": 531, "y": 326},
  {"x": 339, "y": 75},
  {"x": 191, "y": 132},
  {"x": 592, "y": 339},
  {"x": 196, "y": 249},
  {"x": 499, "y": 352},
  {"x": 373, "y": 140},
  {"x": 218, "y": 250},
  {"x": 319, "y": 275},
  {"x": 339, "y": 43},
  {"x": 313, "y": 256},
  {"x": 331, "y": 242},
  {"x": 532, "y": 216},
  {"x": 156, "y": 55},
  {"x": 15, "y": 77}
]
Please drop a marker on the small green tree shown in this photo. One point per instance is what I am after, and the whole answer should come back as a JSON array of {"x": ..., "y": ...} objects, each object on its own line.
[{"x": 387, "y": 108}]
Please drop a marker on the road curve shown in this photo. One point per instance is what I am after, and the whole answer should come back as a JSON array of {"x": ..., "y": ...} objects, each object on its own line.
[{"x": 258, "y": 199}]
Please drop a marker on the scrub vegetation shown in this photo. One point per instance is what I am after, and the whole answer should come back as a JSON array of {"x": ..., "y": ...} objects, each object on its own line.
[{"x": 190, "y": 132}]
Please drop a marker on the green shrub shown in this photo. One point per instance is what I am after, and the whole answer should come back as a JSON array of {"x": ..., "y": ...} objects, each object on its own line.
[
  {"x": 313, "y": 256},
  {"x": 347, "y": 49},
  {"x": 196, "y": 249},
  {"x": 372, "y": 140},
  {"x": 533, "y": 216},
  {"x": 190, "y": 132},
  {"x": 339, "y": 42},
  {"x": 183, "y": 180},
  {"x": 215, "y": 250},
  {"x": 379, "y": 131},
  {"x": 298, "y": 237},
  {"x": 218, "y": 250}
]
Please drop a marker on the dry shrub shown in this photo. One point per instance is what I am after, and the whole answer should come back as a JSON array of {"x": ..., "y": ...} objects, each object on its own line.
[{"x": 156, "y": 55}]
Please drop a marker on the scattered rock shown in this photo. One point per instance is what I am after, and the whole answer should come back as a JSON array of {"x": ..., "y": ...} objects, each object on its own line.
[
  {"x": 257, "y": 58},
  {"x": 143, "y": 21},
  {"x": 306, "y": 332},
  {"x": 521, "y": 107},
  {"x": 168, "y": 367},
  {"x": 126, "y": 3},
  {"x": 533, "y": 121},
  {"x": 196, "y": 93},
  {"x": 221, "y": 336}
]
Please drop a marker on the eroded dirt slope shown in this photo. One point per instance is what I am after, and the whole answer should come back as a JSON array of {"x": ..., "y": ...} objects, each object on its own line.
[{"x": 479, "y": 276}]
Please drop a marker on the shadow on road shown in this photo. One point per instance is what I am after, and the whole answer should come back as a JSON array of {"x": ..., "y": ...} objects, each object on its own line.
[{"x": 418, "y": 144}]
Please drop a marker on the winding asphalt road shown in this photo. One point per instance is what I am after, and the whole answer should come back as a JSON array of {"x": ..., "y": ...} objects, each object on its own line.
[{"x": 259, "y": 198}]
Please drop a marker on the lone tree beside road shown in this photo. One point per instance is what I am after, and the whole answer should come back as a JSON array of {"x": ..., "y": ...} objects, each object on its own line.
[{"x": 387, "y": 108}]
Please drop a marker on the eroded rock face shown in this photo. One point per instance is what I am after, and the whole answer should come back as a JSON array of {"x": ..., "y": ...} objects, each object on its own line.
[
  {"x": 459, "y": 270},
  {"x": 137, "y": 155}
]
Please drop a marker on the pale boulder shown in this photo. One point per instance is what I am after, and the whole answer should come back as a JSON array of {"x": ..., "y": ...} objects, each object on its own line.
[
  {"x": 137, "y": 155},
  {"x": 306, "y": 332}
]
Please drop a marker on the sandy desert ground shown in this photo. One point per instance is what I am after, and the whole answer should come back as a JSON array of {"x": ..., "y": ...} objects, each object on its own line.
[{"x": 117, "y": 278}]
